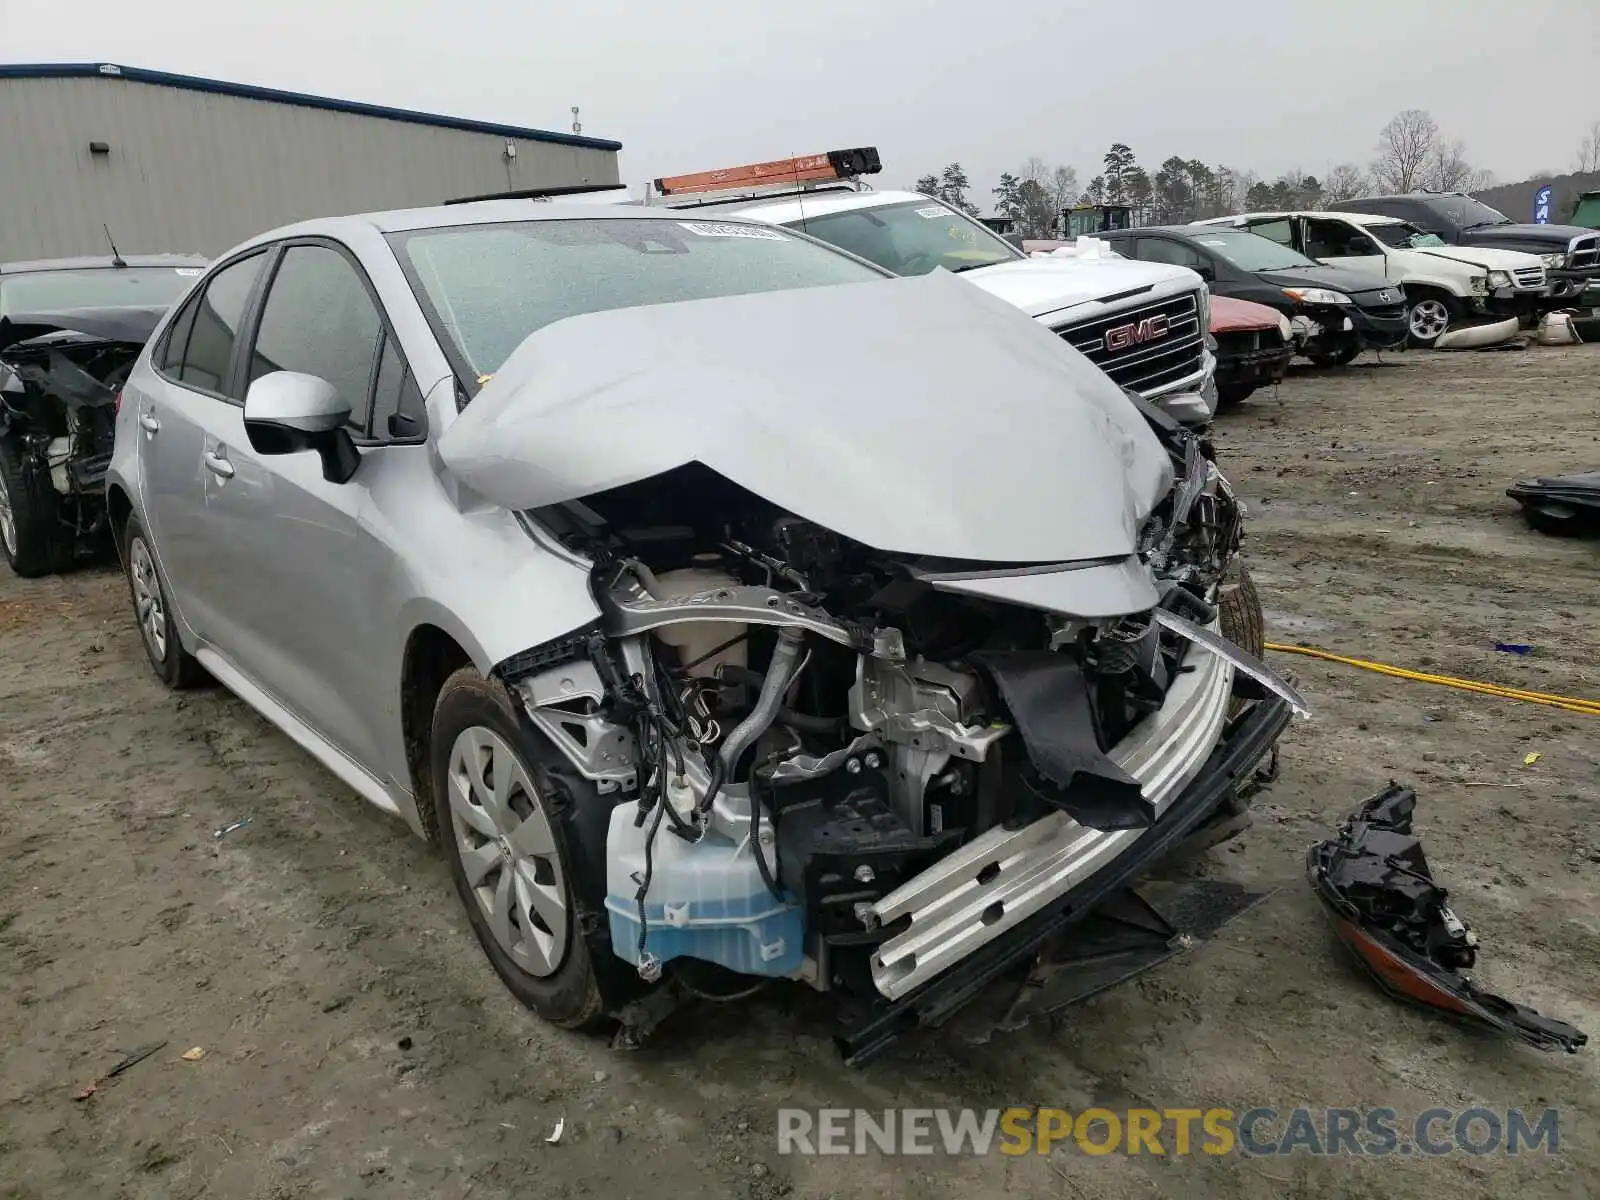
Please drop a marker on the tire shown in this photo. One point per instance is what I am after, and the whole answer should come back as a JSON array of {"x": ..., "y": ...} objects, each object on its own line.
[
  {"x": 1337, "y": 358},
  {"x": 1234, "y": 394},
  {"x": 32, "y": 536},
  {"x": 1430, "y": 317},
  {"x": 152, "y": 611},
  {"x": 544, "y": 859},
  {"x": 1243, "y": 622}
]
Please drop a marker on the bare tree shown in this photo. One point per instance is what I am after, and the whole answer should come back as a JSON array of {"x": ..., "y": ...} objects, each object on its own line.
[
  {"x": 1447, "y": 169},
  {"x": 1404, "y": 147},
  {"x": 1063, "y": 187},
  {"x": 1344, "y": 182},
  {"x": 1589, "y": 150}
]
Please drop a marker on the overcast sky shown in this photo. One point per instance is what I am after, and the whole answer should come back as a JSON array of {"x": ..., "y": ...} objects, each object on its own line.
[{"x": 694, "y": 84}]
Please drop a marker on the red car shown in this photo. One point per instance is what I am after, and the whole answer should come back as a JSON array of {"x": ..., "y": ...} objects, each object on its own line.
[{"x": 1254, "y": 347}]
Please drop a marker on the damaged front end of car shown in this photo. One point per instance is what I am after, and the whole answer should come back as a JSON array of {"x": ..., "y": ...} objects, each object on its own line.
[
  {"x": 60, "y": 375},
  {"x": 894, "y": 775},
  {"x": 892, "y": 778}
]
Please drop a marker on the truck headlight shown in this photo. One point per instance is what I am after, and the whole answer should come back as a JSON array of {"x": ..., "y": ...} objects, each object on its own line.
[
  {"x": 1499, "y": 279},
  {"x": 1205, "y": 309},
  {"x": 1316, "y": 296},
  {"x": 1285, "y": 328},
  {"x": 1553, "y": 260}
]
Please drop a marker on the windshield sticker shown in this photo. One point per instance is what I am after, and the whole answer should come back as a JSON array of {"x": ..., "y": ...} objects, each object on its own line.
[
  {"x": 929, "y": 213},
  {"x": 713, "y": 229},
  {"x": 190, "y": 272}
]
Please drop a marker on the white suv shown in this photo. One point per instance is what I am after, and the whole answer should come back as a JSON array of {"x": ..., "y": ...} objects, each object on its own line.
[
  {"x": 1445, "y": 284},
  {"x": 1144, "y": 324}
]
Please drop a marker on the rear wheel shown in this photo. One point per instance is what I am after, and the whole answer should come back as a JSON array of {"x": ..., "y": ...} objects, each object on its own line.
[
  {"x": 32, "y": 536},
  {"x": 526, "y": 846},
  {"x": 1430, "y": 317},
  {"x": 158, "y": 627}
]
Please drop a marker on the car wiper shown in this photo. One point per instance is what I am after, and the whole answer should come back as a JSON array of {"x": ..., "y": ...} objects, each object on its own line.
[
  {"x": 968, "y": 267},
  {"x": 1481, "y": 224}
]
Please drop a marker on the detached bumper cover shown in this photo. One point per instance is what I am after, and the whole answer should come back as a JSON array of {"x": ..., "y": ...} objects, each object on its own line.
[
  {"x": 864, "y": 1035},
  {"x": 1380, "y": 327},
  {"x": 1376, "y": 886}
]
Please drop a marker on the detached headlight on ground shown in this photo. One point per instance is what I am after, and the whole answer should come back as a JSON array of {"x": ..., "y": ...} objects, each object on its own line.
[
  {"x": 1499, "y": 279},
  {"x": 1316, "y": 296}
]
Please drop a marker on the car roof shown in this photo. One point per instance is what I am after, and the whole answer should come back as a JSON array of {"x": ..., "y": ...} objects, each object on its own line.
[
  {"x": 93, "y": 261},
  {"x": 477, "y": 212},
  {"x": 1358, "y": 218},
  {"x": 785, "y": 207}
]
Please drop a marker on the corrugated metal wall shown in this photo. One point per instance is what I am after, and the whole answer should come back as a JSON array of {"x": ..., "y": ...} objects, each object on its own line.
[{"x": 195, "y": 171}]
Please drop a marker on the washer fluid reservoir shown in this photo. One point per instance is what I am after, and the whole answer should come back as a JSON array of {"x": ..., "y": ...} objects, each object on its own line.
[{"x": 695, "y": 639}]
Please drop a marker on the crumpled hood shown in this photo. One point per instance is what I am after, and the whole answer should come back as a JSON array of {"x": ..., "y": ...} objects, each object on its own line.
[
  {"x": 918, "y": 416},
  {"x": 1230, "y": 315},
  {"x": 1045, "y": 285},
  {"x": 1485, "y": 256}
]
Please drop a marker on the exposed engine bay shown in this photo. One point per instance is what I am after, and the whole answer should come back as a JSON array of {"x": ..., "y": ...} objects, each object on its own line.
[
  {"x": 796, "y": 730},
  {"x": 59, "y": 380}
]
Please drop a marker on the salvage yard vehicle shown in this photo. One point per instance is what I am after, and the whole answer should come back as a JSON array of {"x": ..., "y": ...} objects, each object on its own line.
[
  {"x": 1571, "y": 254},
  {"x": 1254, "y": 346},
  {"x": 654, "y": 566},
  {"x": 1334, "y": 312},
  {"x": 1445, "y": 285},
  {"x": 1144, "y": 325},
  {"x": 70, "y": 330}
]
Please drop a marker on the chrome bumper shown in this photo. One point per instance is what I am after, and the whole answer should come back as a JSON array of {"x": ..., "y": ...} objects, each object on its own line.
[
  {"x": 1001, "y": 878},
  {"x": 1192, "y": 399}
]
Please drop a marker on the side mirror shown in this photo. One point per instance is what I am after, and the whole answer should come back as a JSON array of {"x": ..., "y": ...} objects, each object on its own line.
[
  {"x": 286, "y": 412},
  {"x": 1207, "y": 272}
]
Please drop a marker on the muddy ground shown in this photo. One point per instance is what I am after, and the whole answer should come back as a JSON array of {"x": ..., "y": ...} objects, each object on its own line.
[{"x": 357, "y": 1044}]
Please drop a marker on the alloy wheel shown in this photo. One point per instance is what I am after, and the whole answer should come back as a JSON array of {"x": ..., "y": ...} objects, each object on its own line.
[
  {"x": 148, "y": 602},
  {"x": 8, "y": 519},
  {"x": 1428, "y": 319},
  {"x": 507, "y": 850}
]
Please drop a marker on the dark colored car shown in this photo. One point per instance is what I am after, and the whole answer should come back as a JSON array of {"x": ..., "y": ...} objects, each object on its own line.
[
  {"x": 70, "y": 330},
  {"x": 1335, "y": 312},
  {"x": 1571, "y": 253}
]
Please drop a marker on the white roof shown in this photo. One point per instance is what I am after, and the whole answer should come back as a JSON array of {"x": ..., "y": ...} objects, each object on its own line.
[{"x": 1353, "y": 217}]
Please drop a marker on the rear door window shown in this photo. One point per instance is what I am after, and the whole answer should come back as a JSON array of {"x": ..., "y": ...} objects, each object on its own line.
[
  {"x": 199, "y": 348},
  {"x": 1162, "y": 250}
]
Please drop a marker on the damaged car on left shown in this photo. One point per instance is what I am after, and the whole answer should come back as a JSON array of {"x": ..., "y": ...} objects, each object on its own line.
[
  {"x": 70, "y": 330},
  {"x": 727, "y": 610}
]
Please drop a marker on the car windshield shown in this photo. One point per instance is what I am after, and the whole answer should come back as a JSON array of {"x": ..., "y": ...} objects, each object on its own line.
[
  {"x": 1250, "y": 251},
  {"x": 93, "y": 287},
  {"x": 490, "y": 286},
  {"x": 912, "y": 238},
  {"x": 1467, "y": 213},
  {"x": 1403, "y": 236}
]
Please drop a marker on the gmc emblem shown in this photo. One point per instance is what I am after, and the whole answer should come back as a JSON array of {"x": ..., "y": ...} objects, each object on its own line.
[{"x": 1151, "y": 329}]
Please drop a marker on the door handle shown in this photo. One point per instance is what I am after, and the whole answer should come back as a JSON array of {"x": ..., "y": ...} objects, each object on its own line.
[
  {"x": 148, "y": 422},
  {"x": 218, "y": 465}
]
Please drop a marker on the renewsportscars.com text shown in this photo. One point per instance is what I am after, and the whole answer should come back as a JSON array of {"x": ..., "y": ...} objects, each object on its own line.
[{"x": 1372, "y": 1132}]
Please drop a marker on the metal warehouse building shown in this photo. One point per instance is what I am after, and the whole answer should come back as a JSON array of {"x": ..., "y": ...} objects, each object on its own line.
[{"x": 179, "y": 163}]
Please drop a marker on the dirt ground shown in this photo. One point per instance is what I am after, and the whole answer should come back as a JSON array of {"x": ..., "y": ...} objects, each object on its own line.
[{"x": 357, "y": 1044}]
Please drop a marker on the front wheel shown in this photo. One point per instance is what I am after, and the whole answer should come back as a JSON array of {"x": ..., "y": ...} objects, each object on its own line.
[
  {"x": 526, "y": 846},
  {"x": 1430, "y": 318},
  {"x": 1230, "y": 395},
  {"x": 1242, "y": 619},
  {"x": 1343, "y": 356}
]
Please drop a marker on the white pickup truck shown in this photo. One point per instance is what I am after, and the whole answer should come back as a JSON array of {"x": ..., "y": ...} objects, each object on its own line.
[
  {"x": 1445, "y": 284},
  {"x": 1144, "y": 324}
]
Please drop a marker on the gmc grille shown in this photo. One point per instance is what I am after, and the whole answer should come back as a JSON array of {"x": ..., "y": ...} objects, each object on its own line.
[
  {"x": 1150, "y": 364},
  {"x": 1585, "y": 254}
]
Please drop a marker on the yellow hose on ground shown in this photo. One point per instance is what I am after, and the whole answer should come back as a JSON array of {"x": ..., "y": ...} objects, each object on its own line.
[{"x": 1569, "y": 703}]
